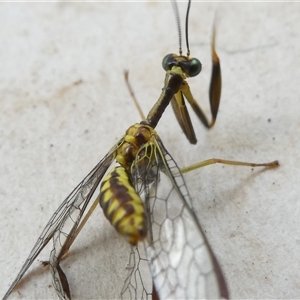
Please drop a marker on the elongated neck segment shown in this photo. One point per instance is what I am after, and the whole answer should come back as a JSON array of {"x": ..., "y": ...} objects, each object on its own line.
[{"x": 173, "y": 81}]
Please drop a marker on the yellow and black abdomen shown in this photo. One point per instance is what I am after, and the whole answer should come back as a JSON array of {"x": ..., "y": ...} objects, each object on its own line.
[{"x": 122, "y": 205}]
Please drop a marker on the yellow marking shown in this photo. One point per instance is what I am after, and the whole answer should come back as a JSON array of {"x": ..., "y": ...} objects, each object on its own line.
[
  {"x": 130, "y": 139},
  {"x": 121, "y": 160},
  {"x": 123, "y": 206}
]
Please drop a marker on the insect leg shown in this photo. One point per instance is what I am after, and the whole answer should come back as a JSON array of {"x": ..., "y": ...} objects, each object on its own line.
[
  {"x": 154, "y": 293},
  {"x": 212, "y": 161},
  {"x": 70, "y": 241},
  {"x": 59, "y": 278},
  {"x": 183, "y": 116},
  {"x": 214, "y": 90},
  {"x": 215, "y": 82},
  {"x": 137, "y": 105}
]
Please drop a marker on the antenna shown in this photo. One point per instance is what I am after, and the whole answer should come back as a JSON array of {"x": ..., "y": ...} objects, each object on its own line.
[
  {"x": 175, "y": 8},
  {"x": 187, "y": 28}
]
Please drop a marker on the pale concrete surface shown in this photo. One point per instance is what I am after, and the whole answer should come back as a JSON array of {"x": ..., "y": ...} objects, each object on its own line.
[{"x": 64, "y": 104}]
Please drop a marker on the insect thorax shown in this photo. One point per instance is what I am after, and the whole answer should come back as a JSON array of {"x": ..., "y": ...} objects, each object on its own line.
[{"x": 135, "y": 137}]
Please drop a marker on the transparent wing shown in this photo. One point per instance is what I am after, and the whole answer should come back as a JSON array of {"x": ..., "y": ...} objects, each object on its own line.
[
  {"x": 66, "y": 218},
  {"x": 181, "y": 261}
]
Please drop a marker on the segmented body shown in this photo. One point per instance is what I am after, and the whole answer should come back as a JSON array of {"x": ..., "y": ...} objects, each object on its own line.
[
  {"x": 118, "y": 198},
  {"x": 122, "y": 206}
]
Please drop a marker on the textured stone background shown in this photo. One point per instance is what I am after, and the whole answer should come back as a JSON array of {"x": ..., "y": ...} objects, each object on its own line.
[{"x": 64, "y": 104}]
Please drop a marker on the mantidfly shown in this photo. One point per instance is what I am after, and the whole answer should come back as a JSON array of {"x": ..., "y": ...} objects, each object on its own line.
[{"x": 146, "y": 199}]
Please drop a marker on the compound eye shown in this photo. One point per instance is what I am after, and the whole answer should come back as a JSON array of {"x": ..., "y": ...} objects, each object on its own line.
[
  {"x": 195, "y": 67},
  {"x": 168, "y": 62}
]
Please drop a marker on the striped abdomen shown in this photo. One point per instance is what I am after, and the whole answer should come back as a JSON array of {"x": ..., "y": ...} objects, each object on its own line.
[{"x": 122, "y": 205}]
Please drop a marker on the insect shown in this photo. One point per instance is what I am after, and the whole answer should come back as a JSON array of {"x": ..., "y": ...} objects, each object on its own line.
[{"x": 146, "y": 199}]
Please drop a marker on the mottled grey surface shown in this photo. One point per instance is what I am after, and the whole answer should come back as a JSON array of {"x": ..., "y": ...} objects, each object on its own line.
[{"x": 64, "y": 104}]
